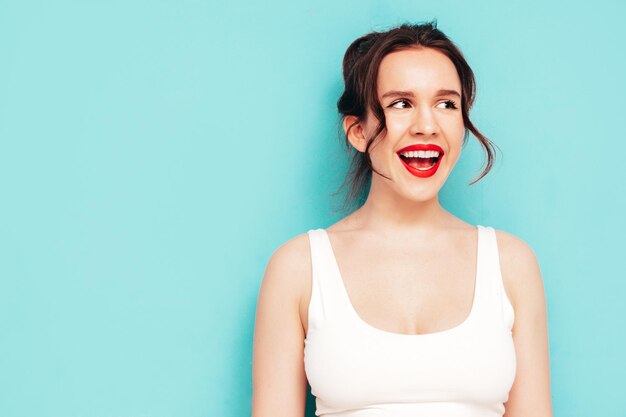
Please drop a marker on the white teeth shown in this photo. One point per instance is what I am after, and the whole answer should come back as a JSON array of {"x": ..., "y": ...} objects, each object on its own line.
[{"x": 420, "y": 154}]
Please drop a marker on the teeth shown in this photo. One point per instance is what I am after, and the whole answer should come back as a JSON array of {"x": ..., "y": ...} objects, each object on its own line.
[{"x": 420, "y": 154}]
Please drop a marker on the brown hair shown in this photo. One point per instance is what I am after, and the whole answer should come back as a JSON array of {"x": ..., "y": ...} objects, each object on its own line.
[{"x": 360, "y": 72}]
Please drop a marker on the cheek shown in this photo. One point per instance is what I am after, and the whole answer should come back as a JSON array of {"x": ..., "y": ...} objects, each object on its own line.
[
  {"x": 455, "y": 133},
  {"x": 454, "y": 137},
  {"x": 459, "y": 134},
  {"x": 378, "y": 150},
  {"x": 397, "y": 124}
]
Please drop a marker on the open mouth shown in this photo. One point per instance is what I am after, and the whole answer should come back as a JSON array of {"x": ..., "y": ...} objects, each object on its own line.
[{"x": 421, "y": 160}]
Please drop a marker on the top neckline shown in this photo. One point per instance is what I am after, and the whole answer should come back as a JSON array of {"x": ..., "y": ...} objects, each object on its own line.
[{"x": 375, "y": 330}]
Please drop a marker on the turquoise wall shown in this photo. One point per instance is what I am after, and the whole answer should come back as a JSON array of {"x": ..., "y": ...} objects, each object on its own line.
[{"x": 153, "y": 154}]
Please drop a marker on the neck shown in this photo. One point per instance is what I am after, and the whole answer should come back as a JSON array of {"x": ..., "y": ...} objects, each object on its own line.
[{"x": 385, "y": 210}]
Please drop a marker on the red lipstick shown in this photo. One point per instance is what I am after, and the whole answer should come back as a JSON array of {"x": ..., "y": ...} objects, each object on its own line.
[{"x": 421, "y": 172}]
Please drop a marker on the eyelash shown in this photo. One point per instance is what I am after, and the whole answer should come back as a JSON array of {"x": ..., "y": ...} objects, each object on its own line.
[{"x": 452, "y": 103}]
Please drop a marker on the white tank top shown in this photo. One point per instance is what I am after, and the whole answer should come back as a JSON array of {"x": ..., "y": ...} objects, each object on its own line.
[{"x": 357, "y": 370}]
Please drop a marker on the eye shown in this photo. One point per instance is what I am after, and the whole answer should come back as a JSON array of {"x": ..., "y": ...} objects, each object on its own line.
[
  {"x": 448, "y": 104},
  {"x": 400, "y": 104}
]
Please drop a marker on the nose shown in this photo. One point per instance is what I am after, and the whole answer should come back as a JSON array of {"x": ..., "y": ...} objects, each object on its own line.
[{"x": 424, "y": 122}]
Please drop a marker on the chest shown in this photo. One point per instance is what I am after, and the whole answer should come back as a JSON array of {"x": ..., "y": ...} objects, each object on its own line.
[
  {"x": 407, "y": 287},
  {"x": 450, "y": 365},
  {"x": 351, "y": 369}
]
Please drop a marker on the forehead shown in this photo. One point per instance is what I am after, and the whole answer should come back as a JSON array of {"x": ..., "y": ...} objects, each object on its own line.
[{"x": 420, "y": 70}]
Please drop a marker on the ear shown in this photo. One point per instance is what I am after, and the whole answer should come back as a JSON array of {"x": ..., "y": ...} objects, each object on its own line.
[{"x": 356, "y": 134}]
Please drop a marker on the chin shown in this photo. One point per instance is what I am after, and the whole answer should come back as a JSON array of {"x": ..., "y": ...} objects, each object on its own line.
[
  {"x": 419, "y": 195},
  {"x": 422, "y": 189}
]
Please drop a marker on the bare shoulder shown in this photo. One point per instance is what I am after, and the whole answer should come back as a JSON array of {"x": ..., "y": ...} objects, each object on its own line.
[
  {"x": 278, "y": 377},
  {"x": 514, "y": 250},
  {"x": 520, "y": 269},
  {"x": 292, "y": 254},
  {"x": 289, "y": 266}
]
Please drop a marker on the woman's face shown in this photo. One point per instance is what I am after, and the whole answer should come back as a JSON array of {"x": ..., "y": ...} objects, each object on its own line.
[{"x": 419, "y": 90}]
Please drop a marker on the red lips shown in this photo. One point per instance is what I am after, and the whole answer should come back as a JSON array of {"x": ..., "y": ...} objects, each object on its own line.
[{"x": 425, "y": 173}]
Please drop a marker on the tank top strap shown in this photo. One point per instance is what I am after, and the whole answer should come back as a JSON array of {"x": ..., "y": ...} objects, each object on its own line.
[
  {"x": 492, "y": 296},
  {"x": 326, "y": 302}
]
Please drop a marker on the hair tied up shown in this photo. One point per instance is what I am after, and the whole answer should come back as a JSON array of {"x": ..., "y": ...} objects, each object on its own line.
[
  {"x": 360, "y": 71},
  {"x": 357, "y": 50}
]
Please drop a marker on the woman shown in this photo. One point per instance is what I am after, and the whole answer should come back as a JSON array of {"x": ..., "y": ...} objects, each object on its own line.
[{"x": 401, "y": 308}]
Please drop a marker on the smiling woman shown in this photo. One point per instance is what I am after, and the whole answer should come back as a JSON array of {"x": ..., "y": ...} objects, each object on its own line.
[
  {"x": 413, "y": 102},
  {"x": 401, "y": 308}
]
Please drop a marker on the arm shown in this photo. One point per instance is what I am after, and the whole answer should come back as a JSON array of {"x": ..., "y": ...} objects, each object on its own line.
[
  {"x": 279, "y": 383},
  {"x": 530, "y": 394}
]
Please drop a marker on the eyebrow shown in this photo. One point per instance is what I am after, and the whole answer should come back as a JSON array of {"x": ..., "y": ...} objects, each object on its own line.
[{"x": 399, "y": 93}]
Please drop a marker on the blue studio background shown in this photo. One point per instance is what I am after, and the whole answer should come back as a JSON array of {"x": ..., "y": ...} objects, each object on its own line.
[{"x": 153, "y": 155}]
